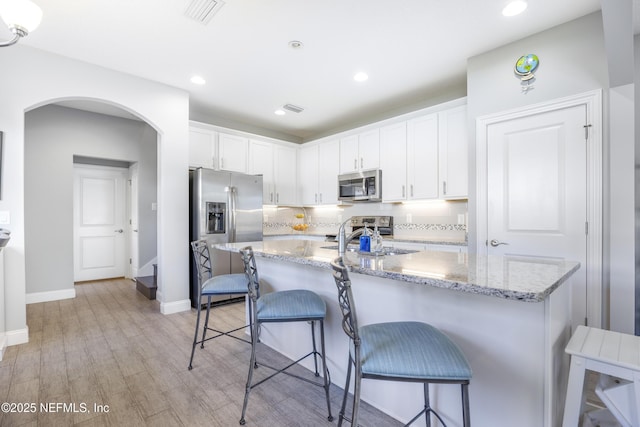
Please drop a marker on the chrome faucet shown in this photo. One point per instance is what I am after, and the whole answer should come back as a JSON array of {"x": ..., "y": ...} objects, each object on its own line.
[{"x": 343, "y": 239}]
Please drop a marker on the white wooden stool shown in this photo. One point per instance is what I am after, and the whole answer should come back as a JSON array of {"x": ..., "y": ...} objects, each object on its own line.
[{"x": 609, "y": 353}]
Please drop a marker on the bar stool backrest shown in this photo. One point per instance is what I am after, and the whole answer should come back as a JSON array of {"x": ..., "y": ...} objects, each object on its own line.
[
  {"x": 202, "y": 258},
  {"x": 251, "y": 272},
  {"x": 345, "y": 300}
]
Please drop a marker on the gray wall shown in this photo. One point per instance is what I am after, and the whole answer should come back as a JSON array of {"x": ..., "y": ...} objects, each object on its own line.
[
  {"x": 572, "y": 61},
  {"x": 53, "y": 135}
]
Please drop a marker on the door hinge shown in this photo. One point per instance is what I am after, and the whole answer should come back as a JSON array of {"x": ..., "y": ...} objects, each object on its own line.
[
  {"x": 586, "y": 228},
  {"x": 586, "y": 131}
]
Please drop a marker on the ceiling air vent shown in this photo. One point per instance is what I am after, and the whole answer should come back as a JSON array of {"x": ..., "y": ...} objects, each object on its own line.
[
  {"x": 202, "y": 10},
  {"x": 293, "y": 108}
]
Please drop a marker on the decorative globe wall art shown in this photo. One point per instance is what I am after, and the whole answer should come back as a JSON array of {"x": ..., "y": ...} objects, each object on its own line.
[{"x": 526, "y": 65}]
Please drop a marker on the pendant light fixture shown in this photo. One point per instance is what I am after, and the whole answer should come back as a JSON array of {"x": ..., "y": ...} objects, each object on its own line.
[{"x": 21, "y": 17}]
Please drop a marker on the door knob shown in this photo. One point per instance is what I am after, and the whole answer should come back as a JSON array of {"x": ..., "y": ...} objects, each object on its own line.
[
  {"x": 119, "y": 231},
  {"x": 495, "y": 243}
]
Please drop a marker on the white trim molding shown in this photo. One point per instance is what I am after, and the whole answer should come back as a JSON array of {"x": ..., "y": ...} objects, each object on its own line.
[
  {"x": 36, "y": 297},
  {"x": 175, "y": 306},
  {"x": 18, "y": 336},
  {"x": 593, "y": 102}
]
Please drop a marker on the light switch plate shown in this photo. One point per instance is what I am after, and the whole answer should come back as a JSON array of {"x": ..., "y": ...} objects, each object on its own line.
[{"x": 5, "y": 218}]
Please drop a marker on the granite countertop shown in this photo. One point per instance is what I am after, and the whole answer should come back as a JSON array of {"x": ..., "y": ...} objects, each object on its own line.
[
  {"x": 403, "y": 239},
  {"x": 521, "y": 279}
]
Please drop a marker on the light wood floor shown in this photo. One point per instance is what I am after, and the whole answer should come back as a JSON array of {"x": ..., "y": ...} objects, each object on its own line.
[{"x": 110, "y": 346}]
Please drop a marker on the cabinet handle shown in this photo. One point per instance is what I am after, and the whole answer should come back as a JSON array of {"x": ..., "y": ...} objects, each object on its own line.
[
  {"x": 277, "y": 198},
  {"x": 320, "y": 197},
  {"x": 361, "y": 162},
  {"x": 221, "y": 162},
  {"x": 271, "y": 197},
  {"x": 316, "y": 197},
  {"x": 355, "y": 164},
  {"x": 444, "y": 187},
  {"x": 411, "y": 190},
  {"x": 403, "y": 191}
]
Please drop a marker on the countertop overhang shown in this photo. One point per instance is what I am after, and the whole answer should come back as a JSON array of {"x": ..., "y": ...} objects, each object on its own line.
[{"x": 509, "y": 277}]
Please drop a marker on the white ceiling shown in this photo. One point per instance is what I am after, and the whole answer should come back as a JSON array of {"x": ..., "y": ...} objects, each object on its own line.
[{"x": 412, "y": 50}]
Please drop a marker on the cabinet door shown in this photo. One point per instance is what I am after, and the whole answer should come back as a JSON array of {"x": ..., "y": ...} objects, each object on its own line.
[
  {"x": 453, "y": 153},
  {"x": 261, "y": 163},
  {"x": 393, "y": 162},
  {"x": 202, "y": 145},
  {"x": 328, "y": 171},
  {"x": 308, "y": 175},
  {"x": 422, "y": 150},
  {"x": 349, "y": 159},
  {"x": 286, "y": 172},
  {"x": 369, "y": 150},
  {"x": 234, "y": 152}
]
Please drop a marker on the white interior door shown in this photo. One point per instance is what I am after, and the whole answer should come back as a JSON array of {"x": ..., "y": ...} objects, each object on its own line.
[
  {"x": 133, "y": 221},
  {"x": 537, "y": 191},
  {"x": 99, "y": 222}
]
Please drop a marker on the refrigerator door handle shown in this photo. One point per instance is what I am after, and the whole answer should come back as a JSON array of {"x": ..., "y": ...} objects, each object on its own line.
[{"x": 232, "y": 195}]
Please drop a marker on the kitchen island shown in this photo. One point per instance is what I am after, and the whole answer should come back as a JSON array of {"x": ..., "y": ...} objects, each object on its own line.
[{"x": 511, "y": 316}]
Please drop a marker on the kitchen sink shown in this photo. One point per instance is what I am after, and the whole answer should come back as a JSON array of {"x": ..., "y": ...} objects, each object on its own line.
[{"x": 387, "y": 251}]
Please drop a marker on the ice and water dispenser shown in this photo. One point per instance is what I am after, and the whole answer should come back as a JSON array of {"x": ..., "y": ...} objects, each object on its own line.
[{"x": 216, "y": 212}]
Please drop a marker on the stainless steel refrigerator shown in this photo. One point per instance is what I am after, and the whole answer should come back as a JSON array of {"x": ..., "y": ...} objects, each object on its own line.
[{"x": 224, "y": 207}]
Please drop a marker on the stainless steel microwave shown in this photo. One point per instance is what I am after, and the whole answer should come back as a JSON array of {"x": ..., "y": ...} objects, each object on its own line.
[{"x": 363, "y": 186}]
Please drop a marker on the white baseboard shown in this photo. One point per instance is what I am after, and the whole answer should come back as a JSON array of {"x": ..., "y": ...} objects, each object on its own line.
[
  {"x": 18, "y": 336},
  {"x": 175, "y": 306},
  {"x": 37, "y": 297},
  {"x": 3, "y": 344}
]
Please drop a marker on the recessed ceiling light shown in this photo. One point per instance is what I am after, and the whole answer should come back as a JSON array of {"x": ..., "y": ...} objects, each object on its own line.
[
  {"x": 295, "y": 44},
  {"x": 514, "y": 8},
  {"x": 280, "y": 112},
  {"x": 198, "y": 80},
  {"x": 360, "y": 77}
]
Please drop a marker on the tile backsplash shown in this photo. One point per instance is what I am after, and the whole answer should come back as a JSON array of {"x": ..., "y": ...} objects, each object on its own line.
[{"x": 436, "y": 219}]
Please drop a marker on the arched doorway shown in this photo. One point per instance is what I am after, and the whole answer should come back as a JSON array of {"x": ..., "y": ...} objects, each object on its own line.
[{"x": 57, "y": 136}]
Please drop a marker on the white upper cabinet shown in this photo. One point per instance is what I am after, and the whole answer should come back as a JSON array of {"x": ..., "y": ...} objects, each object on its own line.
[
  {"x": 453, "y": 152},
  {"x": 422, "y": 157},
  {"x": 393, "y": 162},
  {"x": 319, "y": 171},
  {"x": 285, "y": 167},
  {"x": 360, "y": 152},
  {"x": 277, "y": 165},
  {"x": 233, "y": 152},
  {"x": 308, "y": 176},
  {"x": 202, "y": 148},
  {"x": 328, "y": 171},
  {"x": 261, "y": 163}
]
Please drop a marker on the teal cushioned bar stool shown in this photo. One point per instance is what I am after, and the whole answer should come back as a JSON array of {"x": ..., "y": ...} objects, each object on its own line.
[
  {"x": 299, "y": 305},
  {"x": 398, "y": 351},
  {"x": 209, "y": 286}
]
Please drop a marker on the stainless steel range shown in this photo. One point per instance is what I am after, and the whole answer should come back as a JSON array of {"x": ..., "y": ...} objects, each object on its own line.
[{"x": 384, "y": 223}]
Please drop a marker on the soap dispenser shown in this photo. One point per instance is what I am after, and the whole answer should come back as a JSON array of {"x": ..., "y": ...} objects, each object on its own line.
[
  {"x": 365, "y": 240},
  {"x": 377, "y": 240}
]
